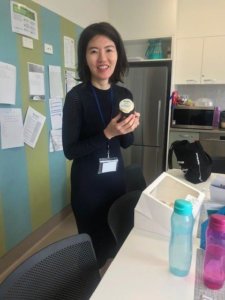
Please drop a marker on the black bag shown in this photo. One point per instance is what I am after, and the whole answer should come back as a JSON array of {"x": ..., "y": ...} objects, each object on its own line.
[{"x": 194, "y": 161}]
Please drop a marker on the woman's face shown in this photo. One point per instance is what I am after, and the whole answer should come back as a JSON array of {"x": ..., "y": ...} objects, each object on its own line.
[{"x": 101, "y": 56}]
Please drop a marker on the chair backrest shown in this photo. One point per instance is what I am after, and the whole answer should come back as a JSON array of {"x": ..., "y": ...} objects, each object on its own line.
[
  {"x": 66, "y": 269},
  {"x": 134, "y": 178},
  {"x": 121, "y": 216}
]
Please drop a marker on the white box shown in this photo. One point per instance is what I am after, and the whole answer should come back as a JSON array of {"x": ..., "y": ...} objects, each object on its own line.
[
  {"x": 217, "y": 194},
  {"x": 155, "y": 206},
  {"x": 217, "y": 190}
]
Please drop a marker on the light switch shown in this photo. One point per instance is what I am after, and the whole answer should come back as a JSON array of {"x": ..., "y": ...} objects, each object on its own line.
[
  {"x": 48, "y": 48},
  {"x": 27, "y": 43}
]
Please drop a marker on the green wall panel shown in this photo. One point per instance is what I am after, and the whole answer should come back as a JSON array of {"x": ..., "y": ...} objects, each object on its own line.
[
  {"x": 2, "y": 229},
  {"x": 15, "y": 208},
  {"x": 51, "y": 34},
  {"x": 37, "y": 158},
  {"x": 34, "y": 183},
  {"x": 73, "y": 32}
]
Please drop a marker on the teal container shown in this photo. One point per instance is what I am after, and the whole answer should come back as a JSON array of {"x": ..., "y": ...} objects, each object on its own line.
[{"x": 154, "y": 50}]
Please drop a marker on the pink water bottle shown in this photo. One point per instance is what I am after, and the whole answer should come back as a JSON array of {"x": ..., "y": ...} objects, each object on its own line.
[
  {"x": 216, "y": 117},
  {"x": 214, "y": 259}
]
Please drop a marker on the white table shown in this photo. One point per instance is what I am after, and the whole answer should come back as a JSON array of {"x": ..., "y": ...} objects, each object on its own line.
[{"x": 140, "y": 269}]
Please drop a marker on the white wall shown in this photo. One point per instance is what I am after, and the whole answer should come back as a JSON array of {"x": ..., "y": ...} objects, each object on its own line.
[
  {"x": 81, "y": 12},
  {"x": 134, "y": 19},
  {"x": 142, "y": 19},
  {"x": 200, "y": 18}
]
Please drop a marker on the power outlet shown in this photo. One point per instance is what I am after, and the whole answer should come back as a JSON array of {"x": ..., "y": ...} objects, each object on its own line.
[{"x": 48, "y": 48}]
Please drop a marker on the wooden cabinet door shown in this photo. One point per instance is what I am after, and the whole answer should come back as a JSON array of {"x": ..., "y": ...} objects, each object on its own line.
[
  {"x": 188, "y": 61},
  {"x": 213, "y": 64}
]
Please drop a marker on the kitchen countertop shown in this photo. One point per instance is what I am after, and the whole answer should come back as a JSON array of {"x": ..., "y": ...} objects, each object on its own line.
[{"x": 197, "y": 130}]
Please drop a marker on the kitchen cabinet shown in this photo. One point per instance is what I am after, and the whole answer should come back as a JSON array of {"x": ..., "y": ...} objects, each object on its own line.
[
  {"x": 179, "y": 136},
  {"x": 213, "y": 63},
  {"x": 200, "y": 60},
  {"x": 213, "y": 143},
  {"x": 188, "y": 61}
]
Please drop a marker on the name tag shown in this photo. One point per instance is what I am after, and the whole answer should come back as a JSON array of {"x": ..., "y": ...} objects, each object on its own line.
[{"x": 107, "y": 165}]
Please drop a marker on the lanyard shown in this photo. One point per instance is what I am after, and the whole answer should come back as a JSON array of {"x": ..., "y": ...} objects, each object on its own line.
[
  {"x": 100, "y": 111},
  {"x": 98, "y": 104}
]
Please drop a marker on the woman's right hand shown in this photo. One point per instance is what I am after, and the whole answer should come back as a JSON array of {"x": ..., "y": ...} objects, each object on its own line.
[{"x": 115, "y": 128}]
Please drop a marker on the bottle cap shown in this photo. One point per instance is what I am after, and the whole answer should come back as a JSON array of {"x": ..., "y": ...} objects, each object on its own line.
[
  {"x": 217, "y": 222},
  {"x": 183, "y": 207}
]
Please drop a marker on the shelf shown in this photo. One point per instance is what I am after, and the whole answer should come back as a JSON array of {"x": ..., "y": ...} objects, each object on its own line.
[{"x": 138, "y": 48}]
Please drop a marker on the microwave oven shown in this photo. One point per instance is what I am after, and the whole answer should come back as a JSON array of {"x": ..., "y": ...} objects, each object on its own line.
[{"x": 192, "y": 117}]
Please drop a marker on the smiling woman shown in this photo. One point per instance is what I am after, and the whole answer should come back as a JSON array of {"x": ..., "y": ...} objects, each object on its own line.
[
  {"x": 101, "y": 58},
  {"x": 93, "y": 134}
]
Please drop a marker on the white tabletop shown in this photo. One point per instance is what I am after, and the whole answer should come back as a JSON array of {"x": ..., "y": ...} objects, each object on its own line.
[{"x": 140, "y": 269}]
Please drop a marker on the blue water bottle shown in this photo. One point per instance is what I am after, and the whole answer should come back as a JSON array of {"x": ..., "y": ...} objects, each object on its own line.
[{"x": 180, "y": 247}]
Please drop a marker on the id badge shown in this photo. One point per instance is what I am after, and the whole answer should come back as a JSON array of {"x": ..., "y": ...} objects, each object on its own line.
[{"x": 107, "y": 165}]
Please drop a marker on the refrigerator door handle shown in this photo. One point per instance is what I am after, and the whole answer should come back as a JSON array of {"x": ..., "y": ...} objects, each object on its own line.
[{"x": 158, "y": 122}]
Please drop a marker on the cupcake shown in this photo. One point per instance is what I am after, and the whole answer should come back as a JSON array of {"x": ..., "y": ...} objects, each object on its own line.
[{"x": 126, "y": 107}]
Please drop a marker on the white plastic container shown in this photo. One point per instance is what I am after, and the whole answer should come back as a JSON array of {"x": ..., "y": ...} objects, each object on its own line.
[{"x": 155, "y": 206}]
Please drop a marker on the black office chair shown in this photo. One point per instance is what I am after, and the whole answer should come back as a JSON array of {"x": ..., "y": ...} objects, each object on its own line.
[
  {"x": 66, "y": 269},
  {"x": 134, "y": 178},
  {"x": 121, "y": 216},
  {"x": 218, "y": 165}
]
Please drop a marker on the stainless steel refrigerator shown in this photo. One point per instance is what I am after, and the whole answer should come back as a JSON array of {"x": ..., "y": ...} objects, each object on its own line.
[{"x": 149, "y": 83}]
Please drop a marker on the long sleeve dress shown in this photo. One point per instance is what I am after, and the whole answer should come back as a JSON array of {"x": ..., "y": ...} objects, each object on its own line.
[{"x": 84, "y": 142}]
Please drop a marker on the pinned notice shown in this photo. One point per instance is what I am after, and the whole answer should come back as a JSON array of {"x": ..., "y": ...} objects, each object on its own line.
[
  {"x": 7, "y": 83},
  {"x": 11, "y": 121},
  {"x": 33, "y": 125},
  {"x": 36, "y": 81}
]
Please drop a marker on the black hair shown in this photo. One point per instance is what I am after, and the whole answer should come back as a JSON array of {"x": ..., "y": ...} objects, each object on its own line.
[{"x": 106, "y": 29}]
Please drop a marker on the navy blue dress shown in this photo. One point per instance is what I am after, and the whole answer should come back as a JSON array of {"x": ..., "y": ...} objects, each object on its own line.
[{"x": 84, "y": 142}]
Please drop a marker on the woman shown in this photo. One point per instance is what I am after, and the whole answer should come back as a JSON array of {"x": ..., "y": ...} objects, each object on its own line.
[{"x": 93, "y": 135}]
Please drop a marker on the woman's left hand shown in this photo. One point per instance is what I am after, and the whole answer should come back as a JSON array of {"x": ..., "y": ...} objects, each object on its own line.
[
  {"x": 130, "y": 123},
  {"x": 125, "y": 126}
]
